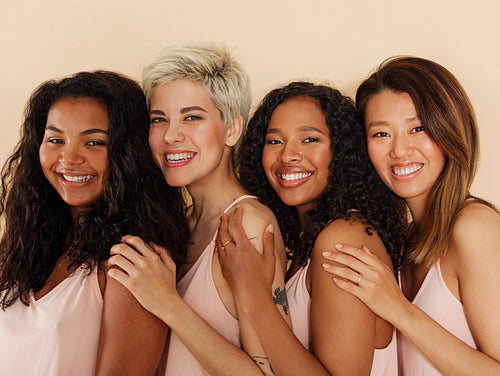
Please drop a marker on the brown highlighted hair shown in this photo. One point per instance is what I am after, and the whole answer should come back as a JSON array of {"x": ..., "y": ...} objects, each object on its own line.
[{"x": 448, "y": 117}]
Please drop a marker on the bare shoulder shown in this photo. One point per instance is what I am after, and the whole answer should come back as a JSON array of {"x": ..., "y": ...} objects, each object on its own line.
[
  {"x": 256, "y": 217},
  {"x": 254, "y": 209},
  {"x": 476, "y": 229},
  {"x": 354, "y": 232}
]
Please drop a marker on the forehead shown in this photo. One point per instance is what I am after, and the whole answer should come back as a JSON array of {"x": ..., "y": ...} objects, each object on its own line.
[
  {"x": 78, "y": 113},
  {"x": 180, "y": 92},
  {"x": 299, "y": 111},
  {"x": 390, "y": 103}
]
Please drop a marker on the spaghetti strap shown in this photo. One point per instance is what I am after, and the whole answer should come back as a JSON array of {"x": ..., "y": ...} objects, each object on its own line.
[{"x": 238, "y": 200}]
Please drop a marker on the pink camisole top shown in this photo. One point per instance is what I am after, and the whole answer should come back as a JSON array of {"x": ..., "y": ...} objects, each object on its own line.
[
  {"x": 198, "y": 289},
  {"x": 385, "y": 361},
  {"x": 436, "y": 300},
  {"x": 56, "y": 335}
]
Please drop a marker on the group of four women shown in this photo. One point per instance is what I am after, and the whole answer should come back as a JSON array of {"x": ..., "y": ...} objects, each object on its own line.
[{"x": 324, "y": 238}]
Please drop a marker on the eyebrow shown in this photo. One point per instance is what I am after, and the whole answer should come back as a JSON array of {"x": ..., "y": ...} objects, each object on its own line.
[
  {"x": 84, "y": 133},
  {"x": 383, "y": 122},
  {"x": 304, "y": 128},
  {"x": 156, "y": 112},
  {"x": 192, "y": 108},
  {"x": 183, "y": 110}
]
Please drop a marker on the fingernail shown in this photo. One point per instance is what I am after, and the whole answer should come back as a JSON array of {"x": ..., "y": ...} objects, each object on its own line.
[
  {"x": 338, "y": 246},
  {"x": 326, "y": 253},
  {"x": 326, "y": 266},
  {"x": 270, "y": 228}
]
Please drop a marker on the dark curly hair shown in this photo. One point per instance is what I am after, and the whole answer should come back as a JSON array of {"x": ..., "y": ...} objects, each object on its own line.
[
  {"x": 38, "y": 227},
  {"x": 352, "y": 183}
]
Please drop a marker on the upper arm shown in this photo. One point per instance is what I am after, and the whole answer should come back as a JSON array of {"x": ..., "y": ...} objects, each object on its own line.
[
  {"x": 255, "y": 219},
  {"x": 476, "y": 241},
  {"x": 342, "y": 327},
  {"x": 132, "y": 339}
]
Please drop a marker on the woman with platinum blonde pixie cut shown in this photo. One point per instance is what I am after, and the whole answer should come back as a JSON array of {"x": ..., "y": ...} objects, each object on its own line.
[
  {"x": 422, "y": 139},
  {"x": 199, "y": 99},
  {"x": 209, "y": 65}
]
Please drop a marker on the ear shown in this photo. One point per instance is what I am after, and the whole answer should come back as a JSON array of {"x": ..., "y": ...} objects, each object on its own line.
[{"x": 234, "y": 131}]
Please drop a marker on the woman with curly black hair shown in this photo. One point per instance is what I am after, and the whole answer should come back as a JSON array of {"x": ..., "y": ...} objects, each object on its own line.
[
  {"x": 304, "y": 155},
  {"x": 73, "y": 187}
]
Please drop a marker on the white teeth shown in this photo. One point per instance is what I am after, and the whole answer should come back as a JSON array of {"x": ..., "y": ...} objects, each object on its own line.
[
  {"x": 78, "y": 179},
  {"x": 181, "y": 157},
  {"x": 295, "y": 176},
  {"x": 406, "y": 170}
]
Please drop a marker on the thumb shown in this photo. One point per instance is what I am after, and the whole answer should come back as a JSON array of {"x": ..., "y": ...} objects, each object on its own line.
[{"x": 268, "y": 241}]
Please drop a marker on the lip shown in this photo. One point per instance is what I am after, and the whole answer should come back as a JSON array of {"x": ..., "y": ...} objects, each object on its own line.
[
  {"x": 406, "y": 171},
  {"x": 178, "y": 158},
  {"x": 76, "y": 179},
  {"x": 292, "y": 177}
]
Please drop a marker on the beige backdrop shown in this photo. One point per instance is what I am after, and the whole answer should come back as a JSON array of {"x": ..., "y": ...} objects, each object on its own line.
[{"x": 277, "y": 40}]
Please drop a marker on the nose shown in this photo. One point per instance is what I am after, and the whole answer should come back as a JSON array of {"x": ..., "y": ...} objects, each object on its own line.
[
  {"x": 289, "y": 153},
  {"x": 402, "y": 146},
  {"x": 173, "y": 133},
  {"x": 71, "y": 154}
]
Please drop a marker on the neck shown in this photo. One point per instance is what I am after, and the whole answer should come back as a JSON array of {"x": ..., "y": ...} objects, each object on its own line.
[
  {"x": 212, "y": 195},
  {"x": 418, "y": 207}
]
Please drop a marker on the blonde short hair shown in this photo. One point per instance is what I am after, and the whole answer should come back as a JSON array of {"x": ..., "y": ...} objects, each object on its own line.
[{"x": 208, "y": 64}]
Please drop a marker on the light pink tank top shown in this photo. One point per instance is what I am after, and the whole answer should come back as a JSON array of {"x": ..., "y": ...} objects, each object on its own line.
[
  {"x": 57, "y": 334},
  {"x": 385, "y": 361},
  {"x": 197, "y": 288},
  {"x": 435, "y": 299}
]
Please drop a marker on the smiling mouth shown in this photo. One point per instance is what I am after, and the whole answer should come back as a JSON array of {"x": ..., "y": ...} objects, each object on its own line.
[
  {"x": 78, "y": 179},
  {"x": 293, "y": 177},
  {"x": 178, "y": 157},
  {"x": 404, "y": 171}
]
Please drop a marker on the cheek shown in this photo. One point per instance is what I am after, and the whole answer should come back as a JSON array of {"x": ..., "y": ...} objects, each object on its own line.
[
  {"x": 376, "y": 156},
  {"x": 267, "y": 163},
  {"x": 154, "y": 139},
  {"x": 104, "y": 163},
  {"x": 45, "y": 159},
  {"x": 266, "y": 159}
]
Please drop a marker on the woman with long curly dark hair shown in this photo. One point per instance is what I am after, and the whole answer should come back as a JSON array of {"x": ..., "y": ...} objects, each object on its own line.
[
  {"x": 80, "y": 178},
  {"x": 304, "y": 155}
]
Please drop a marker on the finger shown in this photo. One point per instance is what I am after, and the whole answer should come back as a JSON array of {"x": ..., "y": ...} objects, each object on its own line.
[
  {"x": 349, "y": 287},
  {"x": 122, "y": 263},
  {"x": 346, "y": 274},
  {"x": 139, "y": 244},
  {"x": 345, "y": 260},
  {"x": 223, "y": 236},
  {"x": 126, "y": 251},
  {"x": 164, "y": 255},
  {"x": 268, "y": 241},
  {"x": 120, "y": 276},
  {"x": 236, "y": 230},
  {"x": 360, "y": 253}
]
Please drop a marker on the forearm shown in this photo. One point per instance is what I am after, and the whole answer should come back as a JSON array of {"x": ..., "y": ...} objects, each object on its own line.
[
  {"x": 216, "y": 354},
  {"x": 446, "y": 352},
  {"x": 286, "y": 354}
]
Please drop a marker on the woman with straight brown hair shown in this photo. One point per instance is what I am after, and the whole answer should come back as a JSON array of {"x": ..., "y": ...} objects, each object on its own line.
[{"x": 422, "y": 139}]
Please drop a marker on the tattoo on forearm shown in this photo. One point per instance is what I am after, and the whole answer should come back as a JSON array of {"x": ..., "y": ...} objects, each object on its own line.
[
  {"x": 264, "y": 365},
  {"x": 280, "y": 299}
]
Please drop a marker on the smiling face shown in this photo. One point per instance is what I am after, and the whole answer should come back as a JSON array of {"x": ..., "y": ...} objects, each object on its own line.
[
  {"x": 187, "y": 136},
  {"x": 296, "y": 154},
  {"x": 73, "y": 153},
  {"x": 408, "y": 161}
]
